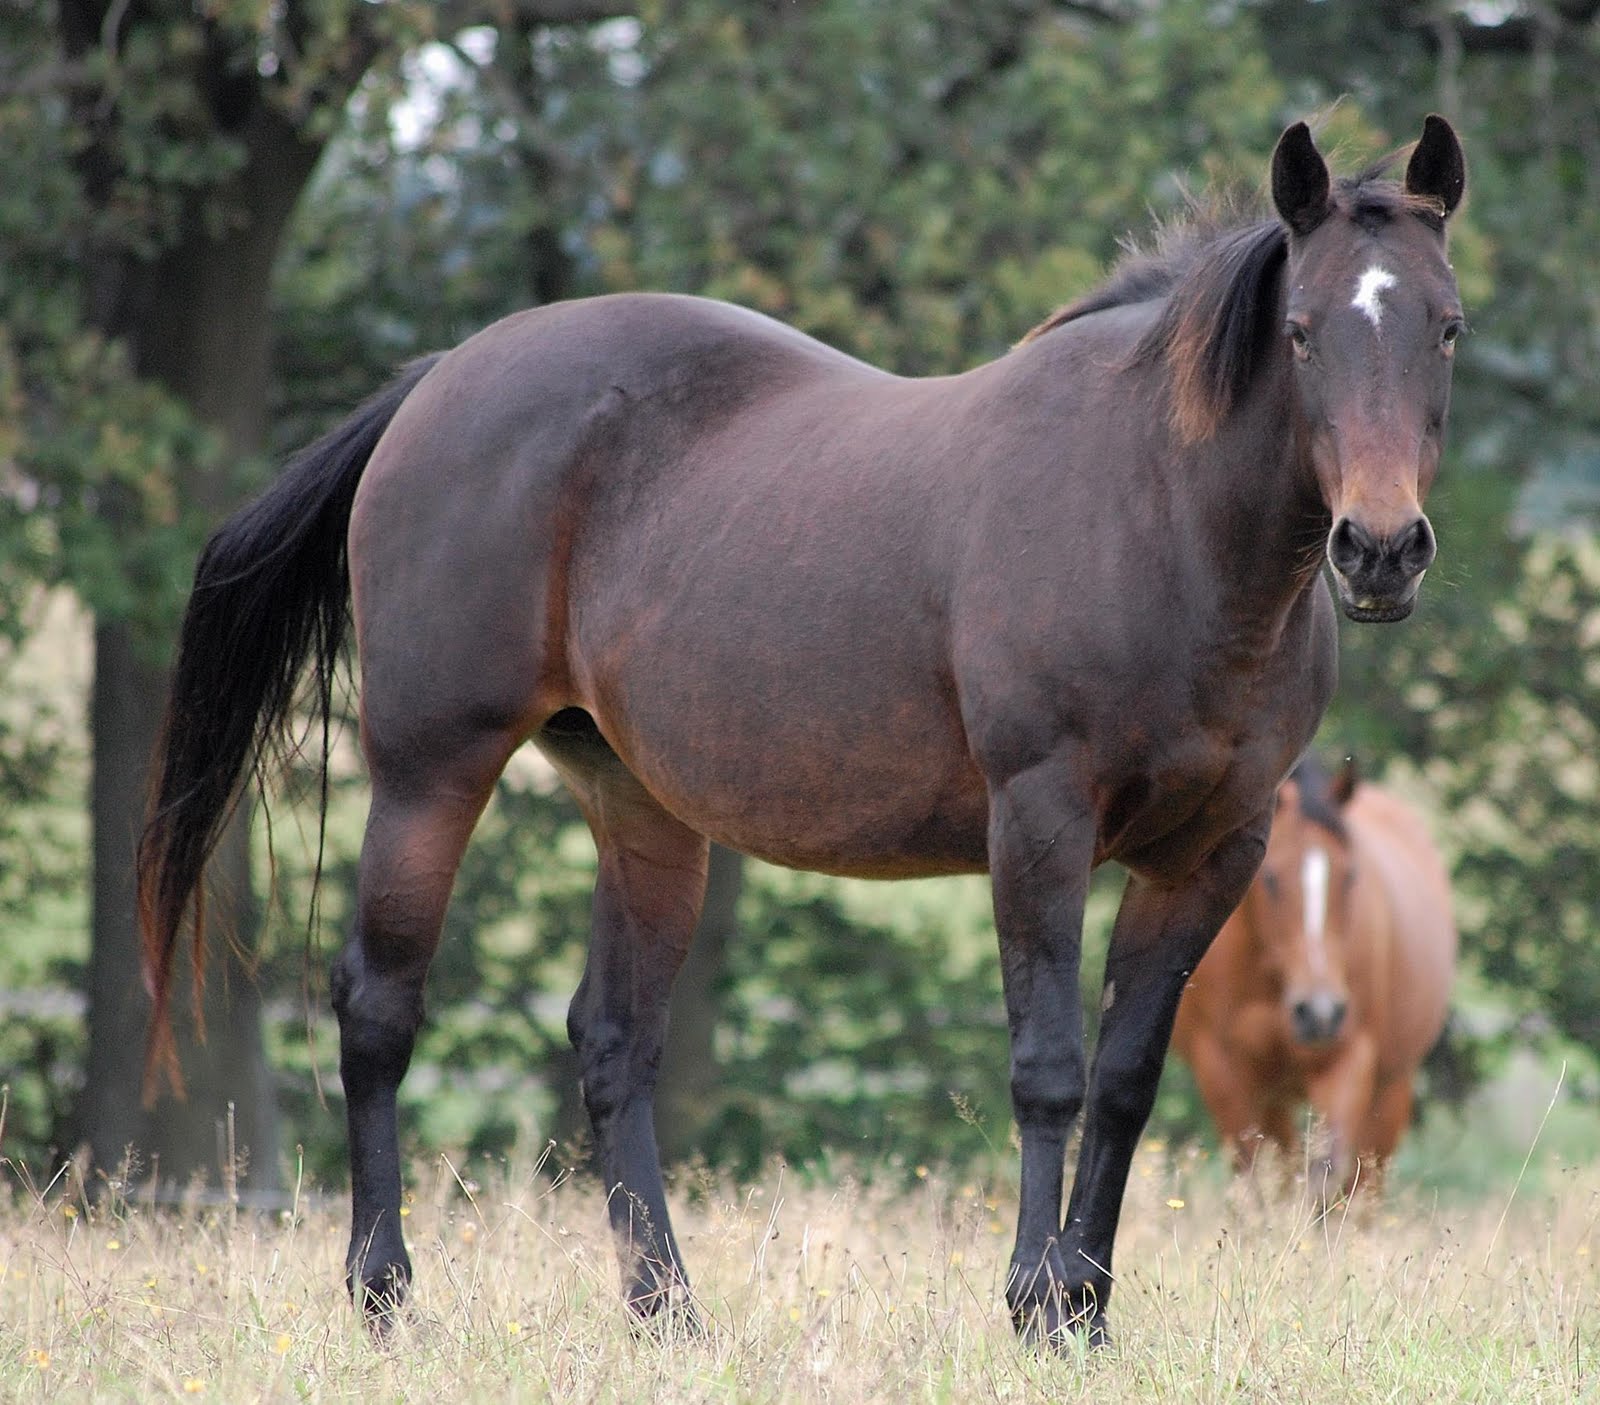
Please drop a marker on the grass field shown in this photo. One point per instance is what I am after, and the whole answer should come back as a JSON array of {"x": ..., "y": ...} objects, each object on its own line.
[{"x": 840, "y": 1293}]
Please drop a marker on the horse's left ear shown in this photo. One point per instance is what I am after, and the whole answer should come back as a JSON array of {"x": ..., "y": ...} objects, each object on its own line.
[
  {"x": 1437, "y": 169},
  {"x": 1344, "y": 782}
]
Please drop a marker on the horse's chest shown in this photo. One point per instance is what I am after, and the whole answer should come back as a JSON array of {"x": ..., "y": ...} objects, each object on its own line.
[
  {"x": 1185, "y": 788},
  {"x": 1143, "y": 805}
]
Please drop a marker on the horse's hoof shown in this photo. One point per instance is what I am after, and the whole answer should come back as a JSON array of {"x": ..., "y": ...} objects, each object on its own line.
[
  {"x": 666, "y": 1314},
  {"x": 1059, "y": 1319},
  {"x": 379, "y": 1296}
]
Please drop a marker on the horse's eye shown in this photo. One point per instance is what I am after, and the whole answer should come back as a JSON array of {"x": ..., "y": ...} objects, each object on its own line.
[
  {"x": 1300, "y": 338},
  {"x": 1447, "y": 338}
]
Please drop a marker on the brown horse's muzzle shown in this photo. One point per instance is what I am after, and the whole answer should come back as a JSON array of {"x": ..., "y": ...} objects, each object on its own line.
[
  {"x": 1378, "y": 575},
  {"x": 1317, "y": 1017}
]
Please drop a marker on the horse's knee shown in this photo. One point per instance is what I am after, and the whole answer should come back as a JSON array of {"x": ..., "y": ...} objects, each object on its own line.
[{"x": 1046, "y": 1091}]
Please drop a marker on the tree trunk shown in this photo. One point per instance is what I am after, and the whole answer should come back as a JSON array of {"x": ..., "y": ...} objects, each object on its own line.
[
  {"x": 195, "y": 320},
  {"x": 175, "y": 1141}
]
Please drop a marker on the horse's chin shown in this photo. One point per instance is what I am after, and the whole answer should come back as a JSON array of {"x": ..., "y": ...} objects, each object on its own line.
[{"x": 1367, "y": 610}]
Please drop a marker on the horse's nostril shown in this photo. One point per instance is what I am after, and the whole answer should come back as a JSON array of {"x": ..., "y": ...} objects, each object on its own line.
[
  {"x": 1416, "y": 546},
  {"x": 1350, "y": 546}
]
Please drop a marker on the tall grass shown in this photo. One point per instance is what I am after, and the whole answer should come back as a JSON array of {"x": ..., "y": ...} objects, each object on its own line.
[{"x": 840, "y": 1293}]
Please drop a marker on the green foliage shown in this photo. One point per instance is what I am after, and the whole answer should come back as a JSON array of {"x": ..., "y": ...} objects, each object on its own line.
[
  {"x": 917, "y": 185},
  {"x": 915, "y": 182},
  {"x": 1514, "y": 741},
  {"x": 883, "y": 1042},
  {"x": 90, "y": 453}
]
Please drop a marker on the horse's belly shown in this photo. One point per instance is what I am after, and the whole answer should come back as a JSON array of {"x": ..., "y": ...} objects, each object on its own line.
[
  {"x": 919, "y": 842},
  {"x": 826, "y": 811},
  {"x": 839, "y": 780}
]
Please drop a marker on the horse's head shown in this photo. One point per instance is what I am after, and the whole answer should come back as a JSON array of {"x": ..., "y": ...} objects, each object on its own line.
[
  {"x": 1301, "y": 903},
  {"x": 1371, "y": 314}
]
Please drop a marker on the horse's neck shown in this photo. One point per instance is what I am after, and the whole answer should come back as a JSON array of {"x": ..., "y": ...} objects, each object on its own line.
[{"x": 1265, "y": 523}]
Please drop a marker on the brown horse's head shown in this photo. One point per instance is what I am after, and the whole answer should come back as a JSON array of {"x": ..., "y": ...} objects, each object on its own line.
[
  {"x": 1300, "y": 902},
  {"x": 1372, "y": 314}
]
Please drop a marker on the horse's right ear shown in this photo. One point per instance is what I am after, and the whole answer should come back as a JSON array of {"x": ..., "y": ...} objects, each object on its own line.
[
  {"x": 1301, "y": 189},
  {"x": 1344, "y": 782}
]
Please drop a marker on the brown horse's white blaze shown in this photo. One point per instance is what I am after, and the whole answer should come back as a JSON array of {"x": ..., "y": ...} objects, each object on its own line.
[
  {"x": 1063, "y": 609},
  {"x": 1317, "y": 1000},
  {"x": 1330, "y": 983}
]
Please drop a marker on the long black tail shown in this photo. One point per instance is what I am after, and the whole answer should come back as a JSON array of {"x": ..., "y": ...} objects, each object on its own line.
[{"x": 271, "y": 593}]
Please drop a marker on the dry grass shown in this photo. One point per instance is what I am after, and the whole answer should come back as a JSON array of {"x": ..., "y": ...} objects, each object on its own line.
[{"x": 838, "y": 1294}]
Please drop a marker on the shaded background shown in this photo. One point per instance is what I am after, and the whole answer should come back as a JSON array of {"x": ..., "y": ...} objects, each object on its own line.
[{"x": 223, "y": 224}]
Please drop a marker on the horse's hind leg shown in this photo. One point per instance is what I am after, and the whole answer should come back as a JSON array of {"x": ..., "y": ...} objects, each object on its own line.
[
  {"x": 425, "y": 803},
  {"x": 648, "y": 893}
]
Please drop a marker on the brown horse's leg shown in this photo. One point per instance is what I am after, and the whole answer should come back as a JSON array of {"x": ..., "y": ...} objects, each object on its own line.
[
  {"x": 1159, "y": 938},
  {"x": 421, "y": 818},
  {"x": 648, "y": 893},
  {"x": 1228, "y": 1088},
  {"x": 1041, "y": 845},
  {"x": 1280, "y": 1125},
  {"x": 1342, "y": 1098},
  {"x": 1386, "y": 1125}
]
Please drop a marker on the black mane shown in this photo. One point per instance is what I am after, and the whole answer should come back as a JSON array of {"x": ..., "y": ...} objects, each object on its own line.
[{"x": 1217, "y": 271}]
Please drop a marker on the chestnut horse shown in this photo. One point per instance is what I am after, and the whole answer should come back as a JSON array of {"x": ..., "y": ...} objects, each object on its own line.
[
  {"x": 1330, "y": 983},
  {"x": 1063, "y": 608}
]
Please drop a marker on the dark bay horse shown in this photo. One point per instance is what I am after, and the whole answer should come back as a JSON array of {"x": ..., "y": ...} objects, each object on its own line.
[
  {"x": 1061, "y": 609},
  {"x": 1330, "y": 983}
]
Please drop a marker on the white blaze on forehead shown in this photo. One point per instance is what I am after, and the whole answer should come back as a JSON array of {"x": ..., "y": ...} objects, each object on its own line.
[
  {"x": 1367, "y": 300},
  {"x": 1314, "y": 890}
]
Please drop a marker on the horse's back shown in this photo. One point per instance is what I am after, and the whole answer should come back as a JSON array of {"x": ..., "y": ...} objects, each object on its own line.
[{"x": 1397, "y": 847}]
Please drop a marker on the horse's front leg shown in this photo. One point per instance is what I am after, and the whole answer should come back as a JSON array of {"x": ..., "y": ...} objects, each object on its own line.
[
  {"x": 1342, "y": 1096},
  {"x": 1160, "y": 935},
  {"x": 1041, "y": 847}
]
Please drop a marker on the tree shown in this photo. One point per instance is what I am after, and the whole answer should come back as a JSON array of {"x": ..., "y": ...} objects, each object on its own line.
[{"x": 188, "y": 137}]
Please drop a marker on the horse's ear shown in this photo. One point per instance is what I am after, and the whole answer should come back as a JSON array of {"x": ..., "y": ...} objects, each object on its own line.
[
  {"x": 1437, "y": 169},
  {"x": 1344, "y": 783},
  {"x": 1300, "y": 186}
]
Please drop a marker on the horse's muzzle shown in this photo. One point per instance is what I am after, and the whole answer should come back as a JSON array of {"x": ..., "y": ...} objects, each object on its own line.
[
  {"x": 1377, "y": 576},
  {"x": 1317, "y": 1018}
]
